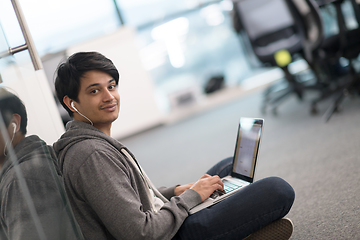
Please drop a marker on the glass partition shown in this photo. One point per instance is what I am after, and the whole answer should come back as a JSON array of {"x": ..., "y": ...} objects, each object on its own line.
[
  {"x": 33, "y": 200},
  {"x": 57, "y": 24},
  {"x": 32, "y": 197}
]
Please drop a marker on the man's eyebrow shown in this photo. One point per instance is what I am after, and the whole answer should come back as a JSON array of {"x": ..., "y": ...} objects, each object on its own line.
[
  {"x": 92, "y": 85},
  {"x": 97, "y": 84}
]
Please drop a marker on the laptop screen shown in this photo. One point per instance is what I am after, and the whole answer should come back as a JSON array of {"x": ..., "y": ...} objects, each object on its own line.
[{"x": 247, "y": 148}]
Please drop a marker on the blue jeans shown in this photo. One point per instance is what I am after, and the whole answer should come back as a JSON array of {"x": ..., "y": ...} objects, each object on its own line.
[{"x": 248, "y": 210}]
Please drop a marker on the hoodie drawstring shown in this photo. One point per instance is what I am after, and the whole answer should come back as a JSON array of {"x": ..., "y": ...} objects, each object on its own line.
[{"x": 150, "y": 185}]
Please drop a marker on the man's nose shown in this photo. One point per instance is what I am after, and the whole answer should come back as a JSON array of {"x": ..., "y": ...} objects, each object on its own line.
[{"x": 108, "y": 96}]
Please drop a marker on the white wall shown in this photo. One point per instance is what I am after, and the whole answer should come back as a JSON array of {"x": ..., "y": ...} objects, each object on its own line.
[{"x": 139, "y": 110}]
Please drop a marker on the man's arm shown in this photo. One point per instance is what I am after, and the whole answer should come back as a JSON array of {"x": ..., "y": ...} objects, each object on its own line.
[
  {"x": 170, "y": 192},
  {"x": 115, "y": 191},
  {"x": 179, "y": 189},
  {"x": 205, "y": 186}
]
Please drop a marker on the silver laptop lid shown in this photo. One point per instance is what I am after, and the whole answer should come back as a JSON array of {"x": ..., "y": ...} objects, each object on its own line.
[{"x": 247, "y": 148}]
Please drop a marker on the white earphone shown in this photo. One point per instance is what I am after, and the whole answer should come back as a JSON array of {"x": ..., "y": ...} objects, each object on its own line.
[
  {"x": 14, "y": 126},
  {"x": 72, "y": 105}
]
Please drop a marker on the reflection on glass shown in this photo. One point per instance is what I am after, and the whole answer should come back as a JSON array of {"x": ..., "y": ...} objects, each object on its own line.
[{"x": 32, "y": 199}]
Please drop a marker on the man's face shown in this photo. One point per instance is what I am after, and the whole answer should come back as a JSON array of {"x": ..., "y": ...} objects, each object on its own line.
[{"x": 98, "y": 99}]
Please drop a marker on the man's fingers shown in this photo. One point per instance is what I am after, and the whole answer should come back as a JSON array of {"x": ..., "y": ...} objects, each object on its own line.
[
  {"x": 207, "y": 185},
  {"x": 220, "y": 187},
  {"x": 216, "y": 180},
  {"x": 205, "y": 176}
]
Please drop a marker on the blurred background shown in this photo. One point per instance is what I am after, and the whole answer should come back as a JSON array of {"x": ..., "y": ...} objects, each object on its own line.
[
  {"x": 188, "y": 72},
  {"x": 171, "y": 54},
  {"x": 167, "y": 51}
]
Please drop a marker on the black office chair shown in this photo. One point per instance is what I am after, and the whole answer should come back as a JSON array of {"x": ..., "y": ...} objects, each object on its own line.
[
  {"x": 271, "y": 29},
  {"x": 345, "y": 44},
  {"x": 320, "y": 53}
]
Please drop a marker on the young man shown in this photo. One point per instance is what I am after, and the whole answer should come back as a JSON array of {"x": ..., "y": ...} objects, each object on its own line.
[
  {"x": 111, "y": 196},
  {"x": 31, "y": 205}
]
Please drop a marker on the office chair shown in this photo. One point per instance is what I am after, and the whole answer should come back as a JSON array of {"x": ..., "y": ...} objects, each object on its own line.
[
  {"x": 320, "y": 53},
  {"x": 345, "y": 44},
  {"x": 276, "y": 38}
]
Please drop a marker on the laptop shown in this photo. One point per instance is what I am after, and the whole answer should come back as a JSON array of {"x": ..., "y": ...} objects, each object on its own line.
[{"x": 244, "y": 162}]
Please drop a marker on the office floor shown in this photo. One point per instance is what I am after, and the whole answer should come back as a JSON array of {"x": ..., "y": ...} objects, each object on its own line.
[{"x": 320, "y": 160}]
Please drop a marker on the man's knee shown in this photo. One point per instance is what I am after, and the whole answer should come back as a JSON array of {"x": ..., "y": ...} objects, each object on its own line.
[
  {"x": 222, "y": 168},
  {"x": 278, "y": 189}
]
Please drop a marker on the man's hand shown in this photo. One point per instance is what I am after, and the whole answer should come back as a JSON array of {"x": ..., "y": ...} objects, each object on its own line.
[
  {"x": 180, "y": 189},
  {"x": 206, "y": 185}
]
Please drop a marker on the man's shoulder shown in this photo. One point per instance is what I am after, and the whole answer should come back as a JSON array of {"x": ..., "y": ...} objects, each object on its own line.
[
  {"x": 89, "y": 150},
  {"x": 89, "y": 146}
]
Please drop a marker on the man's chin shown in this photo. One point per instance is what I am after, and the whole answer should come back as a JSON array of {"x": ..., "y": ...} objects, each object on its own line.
[
  {"x": 114, "y": 117},
  {"x": 108, "y": 118}
]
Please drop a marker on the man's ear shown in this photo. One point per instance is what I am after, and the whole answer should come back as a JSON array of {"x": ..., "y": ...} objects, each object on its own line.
[
  {"x": 67, "y": 102},
  {"x": 16, "y": 118}
]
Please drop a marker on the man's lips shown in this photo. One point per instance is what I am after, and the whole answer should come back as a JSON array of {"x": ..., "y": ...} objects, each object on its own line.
[{"x": 111, "y": 107}]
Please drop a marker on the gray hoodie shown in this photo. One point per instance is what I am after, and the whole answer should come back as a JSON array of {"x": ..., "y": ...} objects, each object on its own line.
[
  {"x": 38, "y": 175},
  {"x": 108, "y": 193}
]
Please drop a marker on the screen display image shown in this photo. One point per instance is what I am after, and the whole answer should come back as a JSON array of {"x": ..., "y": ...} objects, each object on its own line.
[{"x": 247, "y": 148}]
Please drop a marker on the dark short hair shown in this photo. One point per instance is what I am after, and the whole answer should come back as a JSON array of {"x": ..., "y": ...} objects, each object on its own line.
[
  {"x": 68, "y": 74},
  {"x": 10, "y": 104}
]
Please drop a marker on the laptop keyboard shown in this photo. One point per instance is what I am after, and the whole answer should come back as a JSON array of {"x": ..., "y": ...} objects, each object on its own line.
[{"x": 228, "y": 187}]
